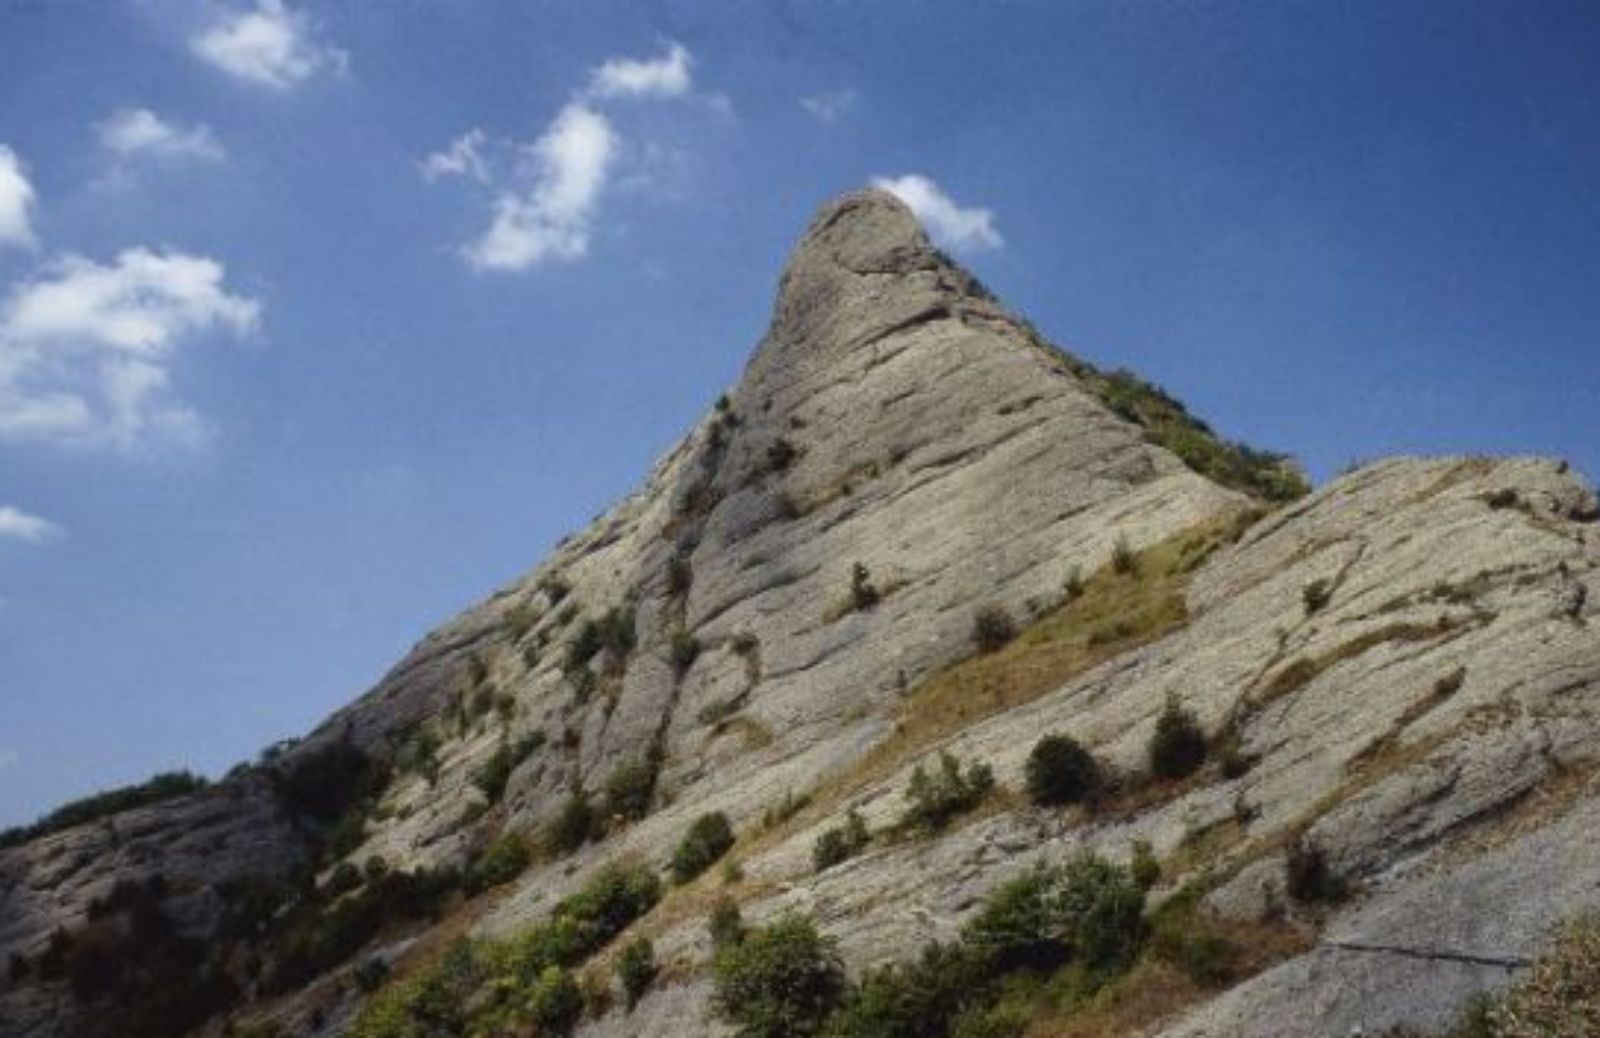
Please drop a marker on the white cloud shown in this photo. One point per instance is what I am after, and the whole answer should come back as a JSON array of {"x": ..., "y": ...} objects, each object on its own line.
[
  {"x": 463, "y": 158},
  {"x": 666, "y": 76},
  {"x": 830, "y": 105},
  {"x": 86, "y": 350},
  {"x": 133, "y": 132},
  {"x": 16, "y": 197},
  {"x": 949, "y": 224},
  {"x": 545, "y": 209},
  {"x": 18, "y": 525},
  {"x": 273, "y": 46},
  {"x": 551, "y": 220}
]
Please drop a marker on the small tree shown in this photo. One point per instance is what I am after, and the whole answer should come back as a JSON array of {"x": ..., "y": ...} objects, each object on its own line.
[
  {"x": 1178, "y": 746},
  {"x": 1060, "y": 771},
  {"x": 781, "y": 981},
  {"x": 992, "y": 628},
  {"x": 707, "y": 840},
  {"x": 636, "y": 969},
  {"x": 1308, "y": 876}
]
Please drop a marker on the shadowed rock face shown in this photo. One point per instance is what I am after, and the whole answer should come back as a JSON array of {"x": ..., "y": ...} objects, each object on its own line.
[{"x": 900, "y": 452}]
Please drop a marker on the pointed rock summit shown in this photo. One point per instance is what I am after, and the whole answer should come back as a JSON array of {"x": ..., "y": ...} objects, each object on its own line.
[{"x": 911, "y": 528}]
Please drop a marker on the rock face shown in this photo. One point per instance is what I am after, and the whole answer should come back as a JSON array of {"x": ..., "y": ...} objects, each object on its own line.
[{"x": 1407, "y": 659}]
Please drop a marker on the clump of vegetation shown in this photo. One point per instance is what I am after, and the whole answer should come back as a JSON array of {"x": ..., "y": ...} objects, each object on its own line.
[
  {"x": 502, "y": 861},
  {"x": 1507, "y": 497},
  {"x": 1060, "y": 771},
  {"x": 745, "y": 644},
  {"x": 617, "y": 631},
  {"x": 726, "y": 924},
  {"x": 685, "y": 650},
  {"x": 1124, "y": 560},
  {"x": 636, "y": 969},
  {"x": 164, "y": 786},
  {"x": 1143, "y": 866},
  {"x": 992, "y": 628},
  {"x": 1166, "y": 422},
  {"x": 554, "y": 588},
  {"x": 779, "y": 981},
  {"x": 863, "y": 593},
  {"x": 1086, "y": 915},
  {"x": 1315, "y": 595},
  {"x": 496, "y": 771},
  {"x": 555, "y": 1005},
  {"x": 791, "y": 804},
  {"x": 631, "y": 787},
  {"x": 680, "y": 575},
  {"x": 1308, "y": 876},
  {"x": 937, "y": 798},
  {"x": 572, "y": 826},
  {"x": 841, "y": 843},
  {"x": 708, "y": 839},
  {"x": 780, "y": 455},
  {"x": 1178, "y": 746}
]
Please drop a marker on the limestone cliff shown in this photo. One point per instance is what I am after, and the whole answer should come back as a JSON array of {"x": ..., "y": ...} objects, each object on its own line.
[{"x": 1399, "y": 670}]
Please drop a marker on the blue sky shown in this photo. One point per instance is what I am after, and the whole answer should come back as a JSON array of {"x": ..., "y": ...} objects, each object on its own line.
[{"x": 320, "y": 321}]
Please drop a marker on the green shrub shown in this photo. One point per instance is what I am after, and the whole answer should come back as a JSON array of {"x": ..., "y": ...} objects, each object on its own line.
[
  {"x": 707, "y": 840},
  {"x": 1102, "y": 911},
  {"x": 1143, "y": 866},
  {"x": 780, "y": 981},
  {"x": 344, "y": 878},
  {"x": 1308, "y": 876},
  {"x": 992, "y": 628},
  {"x": 863, "y": 593},
  {"x": 496, "y": 771},
  {"x": 680, "y": 575},
  {"x": 164, "y": 786},
  {"x": 571, "y": 827},
  {"x": 555, "y": 1004},
  {"x": 1019, "y": 925},
  {"x": 725, "y": 923},
  {"x": 936, "y": 799},
  {"x": 780, "y": 455},
  {"x": 501, "y": 862},
  {"x": 616, "y": 629},
  {"x": 611, "y": 900},
  {"x": 1315, "y": 595},
  {"x": 1124, "y": 559},
  {"x": 1178, "y": 746},
  {"x": 1060, "y": 771},
  {"x": 636, "y": 969},
  {"x": 919, "y": 998},
  {"x": 685, "y": 650},
  {"x": 631, "y": 787},
  {"x": 841, "y": 843}
]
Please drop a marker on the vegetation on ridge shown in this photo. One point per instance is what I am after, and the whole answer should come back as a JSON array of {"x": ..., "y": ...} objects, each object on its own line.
[{"x": 164, "y": 786}]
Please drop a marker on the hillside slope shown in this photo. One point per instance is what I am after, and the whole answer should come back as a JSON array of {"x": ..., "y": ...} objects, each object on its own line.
[{"x": 1396, "y": 675}]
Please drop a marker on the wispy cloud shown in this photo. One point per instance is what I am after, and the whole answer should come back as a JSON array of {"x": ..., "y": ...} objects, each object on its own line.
[
  {"x": 947, "y": 222},
  {"x": 463, "y": 157},
  {"x": 17, "y": 525},
  {"x": 545, "y": 209},
  {"x": 665, "y": 76},
  {"x": 86, "y": 349},
  {"x": 16, "y": 199},
  {"x": 141, "y": 133},
  {"x": 272, "y": 45},
  {"x": 830, "y": 105},
  {"x": 552, "y": 220}
]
